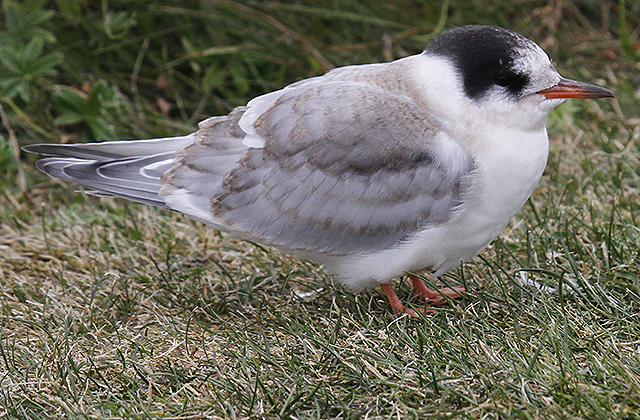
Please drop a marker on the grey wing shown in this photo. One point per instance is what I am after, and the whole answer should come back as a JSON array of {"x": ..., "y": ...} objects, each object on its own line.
[{"x": 339, "y": 167}]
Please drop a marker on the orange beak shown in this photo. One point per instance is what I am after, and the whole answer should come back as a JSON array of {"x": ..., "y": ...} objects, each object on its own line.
[{"x": 567, "y": 88}]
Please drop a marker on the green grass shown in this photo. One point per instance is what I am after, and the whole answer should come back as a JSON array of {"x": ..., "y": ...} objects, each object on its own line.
[{"x": 114, "y": 310}]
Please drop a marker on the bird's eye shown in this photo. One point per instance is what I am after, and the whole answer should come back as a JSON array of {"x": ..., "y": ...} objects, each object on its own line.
[{"x": 502, "y": 80}]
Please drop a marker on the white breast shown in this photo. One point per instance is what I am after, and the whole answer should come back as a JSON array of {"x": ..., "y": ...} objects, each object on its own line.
[{"x": 510, "y": 152}]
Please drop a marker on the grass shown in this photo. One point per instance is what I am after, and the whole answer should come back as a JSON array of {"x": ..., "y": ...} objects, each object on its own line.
[{"x": 115, "y": 310}]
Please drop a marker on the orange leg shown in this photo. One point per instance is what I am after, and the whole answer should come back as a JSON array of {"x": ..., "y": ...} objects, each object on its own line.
[
  {"x": 394, "y": 300},
  {"x": 431, "y": 297},
  {"x": 396, "y": 304},
  {"x": 434, "y": 297}
]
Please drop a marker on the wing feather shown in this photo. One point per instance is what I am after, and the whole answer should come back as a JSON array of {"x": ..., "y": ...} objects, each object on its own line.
[
  {"x": 342, "y": 167},
  {"x": 339, "y": 164}
]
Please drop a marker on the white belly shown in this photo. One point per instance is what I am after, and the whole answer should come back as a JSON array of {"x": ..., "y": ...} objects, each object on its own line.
[{"x": 507, "y": 173}]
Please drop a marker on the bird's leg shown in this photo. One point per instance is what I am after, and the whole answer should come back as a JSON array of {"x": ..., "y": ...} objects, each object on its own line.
[
  {"x": 433, "y": 297},
  {"x": 396, "y": 304},
  {"x": 394, "y": 300}
]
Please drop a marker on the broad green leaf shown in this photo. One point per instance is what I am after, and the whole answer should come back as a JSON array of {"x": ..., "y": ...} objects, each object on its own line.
[
  {"x": 10, "y": 87},
  {"x": 69, "y": 98},
  {"x": 68, "y": 117},
  {"x": 10, "y": 59},
  {"x": 45, "y": 66},
  {"x": 33, "y": 49}
]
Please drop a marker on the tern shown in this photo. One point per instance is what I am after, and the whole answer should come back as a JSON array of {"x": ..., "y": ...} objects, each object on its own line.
[{"x": 374, "y": 171}]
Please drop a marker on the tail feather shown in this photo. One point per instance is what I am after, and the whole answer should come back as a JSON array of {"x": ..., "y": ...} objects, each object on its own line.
[
  {"x": 135, "y": 169},
  {"x": 128, "y": 169},
  {"x": 110, "y": 150}
]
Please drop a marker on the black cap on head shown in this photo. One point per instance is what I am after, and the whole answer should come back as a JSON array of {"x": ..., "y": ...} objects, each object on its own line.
[{"x": 485, "y": 57}]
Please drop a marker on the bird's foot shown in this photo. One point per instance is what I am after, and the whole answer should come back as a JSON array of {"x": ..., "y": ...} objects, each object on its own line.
[
  {"x": 431, "y": 297},
  {"x": 434, "y": 297}
]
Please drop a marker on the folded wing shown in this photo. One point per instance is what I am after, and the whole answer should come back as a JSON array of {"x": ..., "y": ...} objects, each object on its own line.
[{"x": 331, "y": 165}]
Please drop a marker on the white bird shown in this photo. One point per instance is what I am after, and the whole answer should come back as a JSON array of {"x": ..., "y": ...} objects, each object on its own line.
[{"x": 372, "y": 170}]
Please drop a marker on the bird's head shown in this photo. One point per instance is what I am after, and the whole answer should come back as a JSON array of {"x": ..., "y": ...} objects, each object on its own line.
[{"x": 502, "y": 71}]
